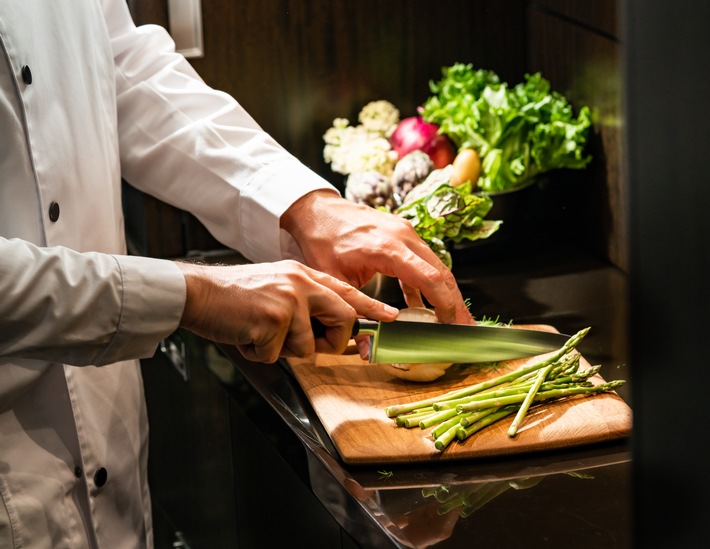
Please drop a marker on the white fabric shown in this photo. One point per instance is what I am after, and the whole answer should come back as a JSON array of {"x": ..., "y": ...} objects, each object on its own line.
[{"x": 106, "y": 99}]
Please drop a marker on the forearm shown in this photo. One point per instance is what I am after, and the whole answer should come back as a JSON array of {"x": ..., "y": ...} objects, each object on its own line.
[
  {"x": 84, "y": 308},
  {"x": 197, "y": 148}
]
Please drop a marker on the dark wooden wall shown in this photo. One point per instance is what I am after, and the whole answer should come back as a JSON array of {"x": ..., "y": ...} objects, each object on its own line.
[
  {"x": 576, "y": 44},
  {"x": 667, "y": 75},
  {"x": 296, "y": 65}
]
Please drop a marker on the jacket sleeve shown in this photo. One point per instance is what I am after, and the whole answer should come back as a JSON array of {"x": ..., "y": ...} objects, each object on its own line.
[
  {"x": 84, "y": 308},
  {"x": 196, "y": 148}
]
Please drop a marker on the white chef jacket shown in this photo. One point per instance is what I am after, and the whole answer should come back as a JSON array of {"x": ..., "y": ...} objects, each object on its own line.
[{"x": 86, "y": 97}]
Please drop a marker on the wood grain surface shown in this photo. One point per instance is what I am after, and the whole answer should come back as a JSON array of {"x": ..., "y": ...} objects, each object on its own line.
[{"x": 349, "y": 396}]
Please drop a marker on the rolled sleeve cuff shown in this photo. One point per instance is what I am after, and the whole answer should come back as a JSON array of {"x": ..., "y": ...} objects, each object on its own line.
[
  {"x": 267, "y": 196},
  {"x": 153, "y": 299}
]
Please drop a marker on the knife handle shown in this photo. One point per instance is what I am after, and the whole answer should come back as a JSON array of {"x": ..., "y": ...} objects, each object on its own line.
[{"x": 361, "y": 325}]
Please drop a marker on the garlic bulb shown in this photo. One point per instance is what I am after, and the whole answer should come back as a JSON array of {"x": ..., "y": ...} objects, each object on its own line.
[{"x": 423, "y": 372}]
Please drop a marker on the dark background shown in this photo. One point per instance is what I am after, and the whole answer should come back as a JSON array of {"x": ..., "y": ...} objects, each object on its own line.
[{"x": 667, "y": 75}]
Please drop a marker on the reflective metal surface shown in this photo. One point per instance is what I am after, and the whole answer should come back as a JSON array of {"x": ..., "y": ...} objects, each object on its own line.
[{"x": 409, "y": 342}]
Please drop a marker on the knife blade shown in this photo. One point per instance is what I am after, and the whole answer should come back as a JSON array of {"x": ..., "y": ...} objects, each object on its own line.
[{"x": 409, "y": 342}]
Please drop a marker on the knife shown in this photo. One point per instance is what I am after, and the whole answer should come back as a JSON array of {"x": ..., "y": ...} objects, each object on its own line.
[{"x": 410, "y": 342}]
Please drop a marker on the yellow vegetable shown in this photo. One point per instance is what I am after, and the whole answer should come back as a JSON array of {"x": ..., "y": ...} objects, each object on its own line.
[{"x": 466, "y": 167}]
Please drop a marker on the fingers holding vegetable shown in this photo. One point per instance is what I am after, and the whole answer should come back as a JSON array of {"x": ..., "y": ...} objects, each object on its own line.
[
  {"x": 412, "y": 296},
  {"x": 430, "y": 278},
  {"x": 354, "y": 242}
]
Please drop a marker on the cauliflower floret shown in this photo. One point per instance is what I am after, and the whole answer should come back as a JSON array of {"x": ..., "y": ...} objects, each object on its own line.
[
  {"x": 379, "y": 116},
  {"x": 349, "y": 149},
  {"x": 354, "y": 149}
]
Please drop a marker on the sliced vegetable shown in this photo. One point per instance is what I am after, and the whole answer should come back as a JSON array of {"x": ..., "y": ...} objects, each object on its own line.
[{"x": 422, "y": 372}]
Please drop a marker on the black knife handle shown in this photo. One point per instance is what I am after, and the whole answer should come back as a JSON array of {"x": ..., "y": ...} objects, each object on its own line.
[{"x": 359, "y": 325}]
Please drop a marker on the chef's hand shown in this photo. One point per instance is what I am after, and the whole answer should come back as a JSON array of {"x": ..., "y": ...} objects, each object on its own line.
[
  {"x": 353, "y": 242},
  {"x": 265, "y": 309}
]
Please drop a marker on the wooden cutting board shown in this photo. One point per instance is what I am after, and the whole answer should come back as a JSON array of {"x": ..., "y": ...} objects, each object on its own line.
[{"x": 349, "y": 396}]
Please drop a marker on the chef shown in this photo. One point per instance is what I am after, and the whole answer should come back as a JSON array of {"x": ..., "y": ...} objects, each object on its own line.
[{"x": 85, "y": 98}]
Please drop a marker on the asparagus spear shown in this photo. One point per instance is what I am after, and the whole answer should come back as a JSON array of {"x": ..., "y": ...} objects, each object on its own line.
[
  {"x": 437, "y": 417},
  {"x": 472, "y": 417},
  {"x": 546, "y": 395},
  {"x": 525, "y": 406},
  {"x": 412, "y": 419},
  {"x": 559, "y": 383},
  {"x": 446, "y": 425},
  {"x": 445, "y": 438},
  {"x": 468, "y": 425},
  {"x": 569, "y": 345},
  {"x": 464, "y": 432}
]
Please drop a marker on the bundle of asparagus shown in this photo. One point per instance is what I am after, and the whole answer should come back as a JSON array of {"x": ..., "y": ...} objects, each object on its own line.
[{"x": 461, "y": 413}]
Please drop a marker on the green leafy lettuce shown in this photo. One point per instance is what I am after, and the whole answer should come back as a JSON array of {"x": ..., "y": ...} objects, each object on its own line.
[
  {"x": 518, "y": 132},
  {"x": 449, "y": 213}
]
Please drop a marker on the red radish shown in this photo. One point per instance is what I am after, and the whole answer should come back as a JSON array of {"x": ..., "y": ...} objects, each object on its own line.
[{"x": 414, "y": 133}]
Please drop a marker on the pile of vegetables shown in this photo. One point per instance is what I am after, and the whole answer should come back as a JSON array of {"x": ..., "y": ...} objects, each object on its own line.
[
  {"x": 473, "y": 137},
  {"x": 458, "y": 414},
  {"x": 438, "y": 202},
  {"x": 519, "y": 132}
]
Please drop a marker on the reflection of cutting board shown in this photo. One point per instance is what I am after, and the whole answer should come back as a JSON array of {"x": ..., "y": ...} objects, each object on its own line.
[{"x": 350, "y": 395}]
